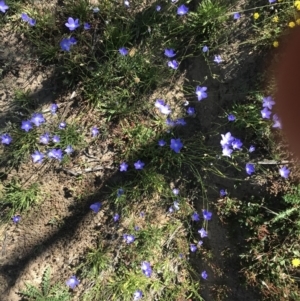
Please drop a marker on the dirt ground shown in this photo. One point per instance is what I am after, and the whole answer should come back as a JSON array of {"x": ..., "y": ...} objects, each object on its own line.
[{"x": 60, "y": 230}]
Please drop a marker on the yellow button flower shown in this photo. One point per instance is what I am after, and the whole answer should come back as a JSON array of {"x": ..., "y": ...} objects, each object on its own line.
[
  {"x": 296, "y": 262},
  {"x": 256, "y": 16},
  {"x": 298, "y": 21},
  {"x": 275, "y": 19},
  {"x": 292, "y": 24},
  {"x": 275, "y": 44}
]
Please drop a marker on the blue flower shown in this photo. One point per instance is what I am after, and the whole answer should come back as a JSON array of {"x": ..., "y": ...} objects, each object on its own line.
[
  {"x": 16, "y": 219},
  {"x": 158, "y": 7},
  {"x": 175, "y": 191},
  {"x": 205, "y": 49},
  {"x": 223, "y": 192},
  {"x": 176, "y": 145},
  {"x": 86, "y": 26},
  {"x": 226, "y": 139},
  {"x": 55, "y": 154},
  {"x": 251, "y": 149},
  {"x": 169, "y": 53},
  {"x": 66, "y": 43},
  {"x": 129, "y": 238},
  {"x": 3, "y": 7},
  {"x": 284, "y": 172},
  {"x": 96, "y": 207},
  {"x": 120, "y": 192},
  {"x": 53, "y": 108},
  {"x": 44, "y": 139},
  {"x": 227, "y": 151},
  {"x": 69, "y": 150},
  {"x": 182, "y": 10},
  {"x": 137, "y": 295},
  {"x": 265, "y": 113},
  {"x": 236, "y": 144},
  {"x": 139, "y": 164},
  {"x": 123, "y": 166},
  {"x": 250, "y": 169},
  {"x": 95, "y": 131},
  {"x": 204, "y": 275},
  {"x": 72, "y": 24},
  {"x": 32, "y": 22},
  {"x": 180, "y": 121},
  {"x": 277, "y": 122},
  {"x": 25, "y": 17},
  {"x": 170, "y": 122},
  {"x": 6, "y": 139},
  {"x": 146, "y": 268},
  {"x": 37, "y": 157},
  {"x": 207, "y": 215},
  {"x": 218, "y": 59},
  {"x": 195, "y": 217},
  {"x": 190, "y": 111},
  {"x": 56, "y": 139},
  {"x": 26, "y": 125},
  {"x": 161, "y": 142},
  {"x": 202, "y": 232},
  {"x": 123, "y": 51},
  {"x": 173, "y": 64},
  {"x": 236, "y": 16},
  {"x": 62, "y": 125},
  {"x": 72, "y": 282},
  {"x": 37, "y": 119},
  {"x": 200, "y": 92},
  {"x": 231, "y": 117},
  {"x": 116, "y": 217},
  {"x": 193, "y": 248}
]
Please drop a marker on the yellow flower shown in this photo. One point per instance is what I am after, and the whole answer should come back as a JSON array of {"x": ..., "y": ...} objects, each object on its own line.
[
  {"x": 292, "y": 24},
  {"x": 256, "y": 16},
  {"x": 297, "y": 5},
  {"x": 296, "y": 262},
  {"x": 275, "y": 19},
  {"x": 275, "y": 44},
  {"x": 298, "y": 21}
]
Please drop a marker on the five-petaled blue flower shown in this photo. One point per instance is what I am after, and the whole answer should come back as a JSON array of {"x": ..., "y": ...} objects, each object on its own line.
[
  {"x": 251, "y": 149},
  {"x": 202, "y": 232},
  {"x": 190, "y": 111},
  {"x": 180, "y": 121},
  {"x": 205, "y": 49},
  {"x": 195, "y": 217},
  {"x": 129, "y": 238},
  {"x": 182, "y": 10},
  {"x": 236, "y": 16},
  {"x": 72, "y": 282},
  {"x": 66, "y": 43},
  {"x": 56, "y": 139},
  {"x": 139, "y": 164},
  {"x": 37, "y": 119},
  {"x": 123, "y": 51},
  {"x": 200, "y": 92},
  {"x": 95, "y": 131},
  {"x": 26, "y": 125},
  {"x": 86, "y": 26},
  {"x": 55, "y": 154},
  {"x": 146, "y": 268},
  {"x": 44, "y": 139},
  {"x": 193, "y": 248},
  {"x": 24, "y": 17},
  {"x": 116, "y": 217},
  {"x": 284, "y": 172},
  {"x": 170, "y": 52},
  {"x": 96, "y": 207},
  {"x": 162, "y": 142},
  {"x": 231, "y": 117},
  {"x": 218, "y": 59},
  {"x": 223, "y": 192},
  {"x": 123, "y": 166},
  {"x": 277, "y": 122},
  {"x": 37, "y": 157},
  {"x": 16, "y": 219},
  {"x": 6, "y": 139},
  {"x": 175, "y": 191},
  {"x": 53, "y": 108},
  {"x": 204, "y": 275},
  {"x": 137, "y": 295},
  {"x": 72, "y": 24},
  {"x": 176, "y": 145},
  {"x": 62, "y": 125},
  {"x": 207, "y": 215},
  {"x": 173, "y": 64},
  {"x": 69, "y": 150},
  {"x": 3, "y": 7},
  {"x": 250, "y": 169},
  {"x": 158, "y": 7},
  {"x": 265, "y": 113}
]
